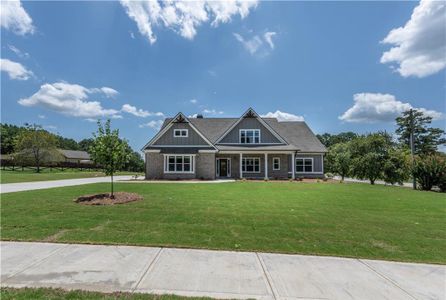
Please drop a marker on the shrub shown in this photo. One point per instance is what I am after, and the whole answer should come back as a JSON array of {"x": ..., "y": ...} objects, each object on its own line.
[
  {"x": 329, "y": 175},
  {"x": 429, "y": 171}
]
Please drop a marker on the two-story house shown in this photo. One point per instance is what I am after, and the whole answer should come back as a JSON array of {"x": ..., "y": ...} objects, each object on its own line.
[{"x": 246, "y": 147}]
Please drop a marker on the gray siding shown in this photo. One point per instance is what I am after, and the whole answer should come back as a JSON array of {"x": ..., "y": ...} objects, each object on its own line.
[
  {"x": 250, "y": 123},
  {"x": 317, "y": 165},
  {"x": 284, "y": 169},
  {"x": 193, "y": 139}
]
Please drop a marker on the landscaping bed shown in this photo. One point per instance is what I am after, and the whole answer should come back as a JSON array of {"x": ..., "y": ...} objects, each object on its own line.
[{"x": 106, "y": 199}]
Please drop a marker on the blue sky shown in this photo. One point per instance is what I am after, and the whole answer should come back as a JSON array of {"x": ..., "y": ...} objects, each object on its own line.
[{"x": 324, "y": 62}]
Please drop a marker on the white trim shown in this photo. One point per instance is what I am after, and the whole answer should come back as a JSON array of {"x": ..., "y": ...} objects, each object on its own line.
[
  {"x": 240, "y": 165},
  {"x": 180, "y": 135},
  {"x": 245, "y": 130},
  {"x": 207, "y": 151},
  {"x": 312, "y": 165},
  {"x": 259, "y": 119},
  {"x": 272, "y": 144},
  {"x": 266, "y": 165},
  {"x": 229, "y": 164},
  {"x": 251, "y": 172},
  {"x": 167, "y": 127},
  {"x": 254, "y": 152},
  {"x": 181, "y": 146},
  {"x": 152, "y": 151},
  {"x": 293, "y": 166},
  {"x": 322, "y": 162},
  {"x": 276, "y": 169},
  {"x": 166, "y": 164}
]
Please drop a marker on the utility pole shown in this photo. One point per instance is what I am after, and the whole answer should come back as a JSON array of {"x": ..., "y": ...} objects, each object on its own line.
[{"x": 412, "y": 145}]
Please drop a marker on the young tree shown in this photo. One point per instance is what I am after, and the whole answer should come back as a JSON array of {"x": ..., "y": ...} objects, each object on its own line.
[
  {"x": 37, "y": 143},
  {"x": 414, "y": 124},
  {"x": 339, "y": 159},
  {"x": 369, "y": 154},
  {"x": 108, "y": 150}
]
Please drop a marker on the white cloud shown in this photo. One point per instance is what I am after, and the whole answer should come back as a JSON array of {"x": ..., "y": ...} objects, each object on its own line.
[
  {"x": 132, "y": 35},
  {"x": 183, "y": 17},
  {"x": 41, "y": 116},
  {"x": 420, "y": 45},
  {"x": 69, "y": 99},
  {"x": 213, "y": 112},
  {"x": 375, "y": 107},
  {"x": 192, "y": 116},
  {"x": 268, "y": 36},
  {"x": 14, "y": 17},
  {"x": 15, "y": 70},
  {"x": 109, "y": 92},
  {"x": 283, "y": 116},
  {"x": 139, "y": 112},
  {"x": 257, "y": 44},
  {"x": 18, "y": 52},
  {"x": 193, "y": 101},
  {"x": 153, "y": 124}
]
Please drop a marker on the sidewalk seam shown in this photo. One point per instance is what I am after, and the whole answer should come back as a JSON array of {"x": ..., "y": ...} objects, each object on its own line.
[
  {"x": 267, "y": 276},
  {"x": 37, "y": 262},
  {"x": 386, "y": 278},
  {"x": 149, "y": 268}
]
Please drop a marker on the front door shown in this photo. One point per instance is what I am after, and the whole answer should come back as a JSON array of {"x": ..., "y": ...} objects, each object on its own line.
[{"x": 223, "y": 167}]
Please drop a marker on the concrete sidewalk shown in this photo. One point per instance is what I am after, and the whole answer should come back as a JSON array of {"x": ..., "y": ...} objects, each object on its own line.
[
  {"x": 38, "y": 185},
  {"x": 219, "y": 274}
]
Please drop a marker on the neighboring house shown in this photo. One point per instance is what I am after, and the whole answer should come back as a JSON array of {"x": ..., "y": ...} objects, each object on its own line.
[
  {"x": 75, "y": 156},
  {"x": 245, "y": 147}
]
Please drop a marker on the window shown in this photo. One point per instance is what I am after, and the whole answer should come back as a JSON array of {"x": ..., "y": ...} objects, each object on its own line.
[
  {"x": 251, "y": 165},
  {"x": 249, "y": 136},
  {"x": 179, "y": 163},
  {"x": 304, "y": 165},
  {"x": 180, "y": 133},
  {"x": 276, "y": 163}
]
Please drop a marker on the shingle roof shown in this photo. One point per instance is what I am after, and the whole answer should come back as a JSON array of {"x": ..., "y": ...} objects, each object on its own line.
[
  {"x": 75, "y": 154},
  {"x": 297, "y": 134}
]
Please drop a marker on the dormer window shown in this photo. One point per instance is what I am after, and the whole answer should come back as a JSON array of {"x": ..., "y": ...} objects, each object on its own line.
[
  {"x": 180, "y": 133},
  {"x": 249, "y": 136}
]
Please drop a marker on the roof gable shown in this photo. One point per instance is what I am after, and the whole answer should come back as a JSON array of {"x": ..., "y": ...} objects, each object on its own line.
[
  {"x": 274, "y": 137},
  {"x": 180, "y": 118}
]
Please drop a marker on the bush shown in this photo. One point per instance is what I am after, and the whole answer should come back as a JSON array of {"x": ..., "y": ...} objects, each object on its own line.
[
  {"x": 429, "y": 171},
  {"x": 329, "y": 175}
]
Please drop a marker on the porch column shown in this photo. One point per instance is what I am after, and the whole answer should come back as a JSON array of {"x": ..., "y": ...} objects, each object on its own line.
[
  {"x": 240, "y": 163},
  {"x": 293, "y": 166},
  {"x": 266, "y": 166}
]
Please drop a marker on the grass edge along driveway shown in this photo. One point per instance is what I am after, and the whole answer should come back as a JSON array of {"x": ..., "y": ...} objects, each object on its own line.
[
  {"x": 350, "y": 220},
  {"x": 7, "y": 176}
]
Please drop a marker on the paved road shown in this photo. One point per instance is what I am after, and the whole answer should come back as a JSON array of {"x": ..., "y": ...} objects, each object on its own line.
[
  {"x": 38, "y": 185},
  {"x": 220, "y": 274}
]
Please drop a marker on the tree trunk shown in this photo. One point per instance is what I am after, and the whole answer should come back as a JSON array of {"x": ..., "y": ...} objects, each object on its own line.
[
  {"x": 342, "y": 176},
  {"x": 372, "y": 181},
  {"x": 112, "y": 196}
]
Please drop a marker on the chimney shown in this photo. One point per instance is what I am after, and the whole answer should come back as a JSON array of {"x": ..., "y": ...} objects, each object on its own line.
[{"x": 199, "y": 116}]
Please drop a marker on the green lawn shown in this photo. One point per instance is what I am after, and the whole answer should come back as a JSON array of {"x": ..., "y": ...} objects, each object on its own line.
[
  {"x": 29, "y": 175},
  {"x": 352, "y": 220},
  {"x": 53, "y": 294}
]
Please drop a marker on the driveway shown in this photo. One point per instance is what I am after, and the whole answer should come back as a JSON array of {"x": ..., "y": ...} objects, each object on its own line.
[
  {"x": 37, "y": 185},
  {"x": 219, "y": 274}
]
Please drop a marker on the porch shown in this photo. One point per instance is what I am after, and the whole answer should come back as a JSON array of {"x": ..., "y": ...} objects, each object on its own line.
[{"x": 268, "y": 165}]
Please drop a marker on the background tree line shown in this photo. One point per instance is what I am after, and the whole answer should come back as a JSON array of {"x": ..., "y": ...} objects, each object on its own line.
[
  {"x": 382, "y": 156},
  {"x": 39, "y": 145}
]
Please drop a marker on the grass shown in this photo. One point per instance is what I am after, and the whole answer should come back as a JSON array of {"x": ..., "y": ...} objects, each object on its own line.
[
  {"x": 351, "y": 220},
  {"x": 7, "y": 176},
  {"x": 53, "y": 294}
]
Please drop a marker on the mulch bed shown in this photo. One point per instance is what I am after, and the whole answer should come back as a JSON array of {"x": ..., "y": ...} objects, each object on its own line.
[{"x": 104, "y": 199}]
